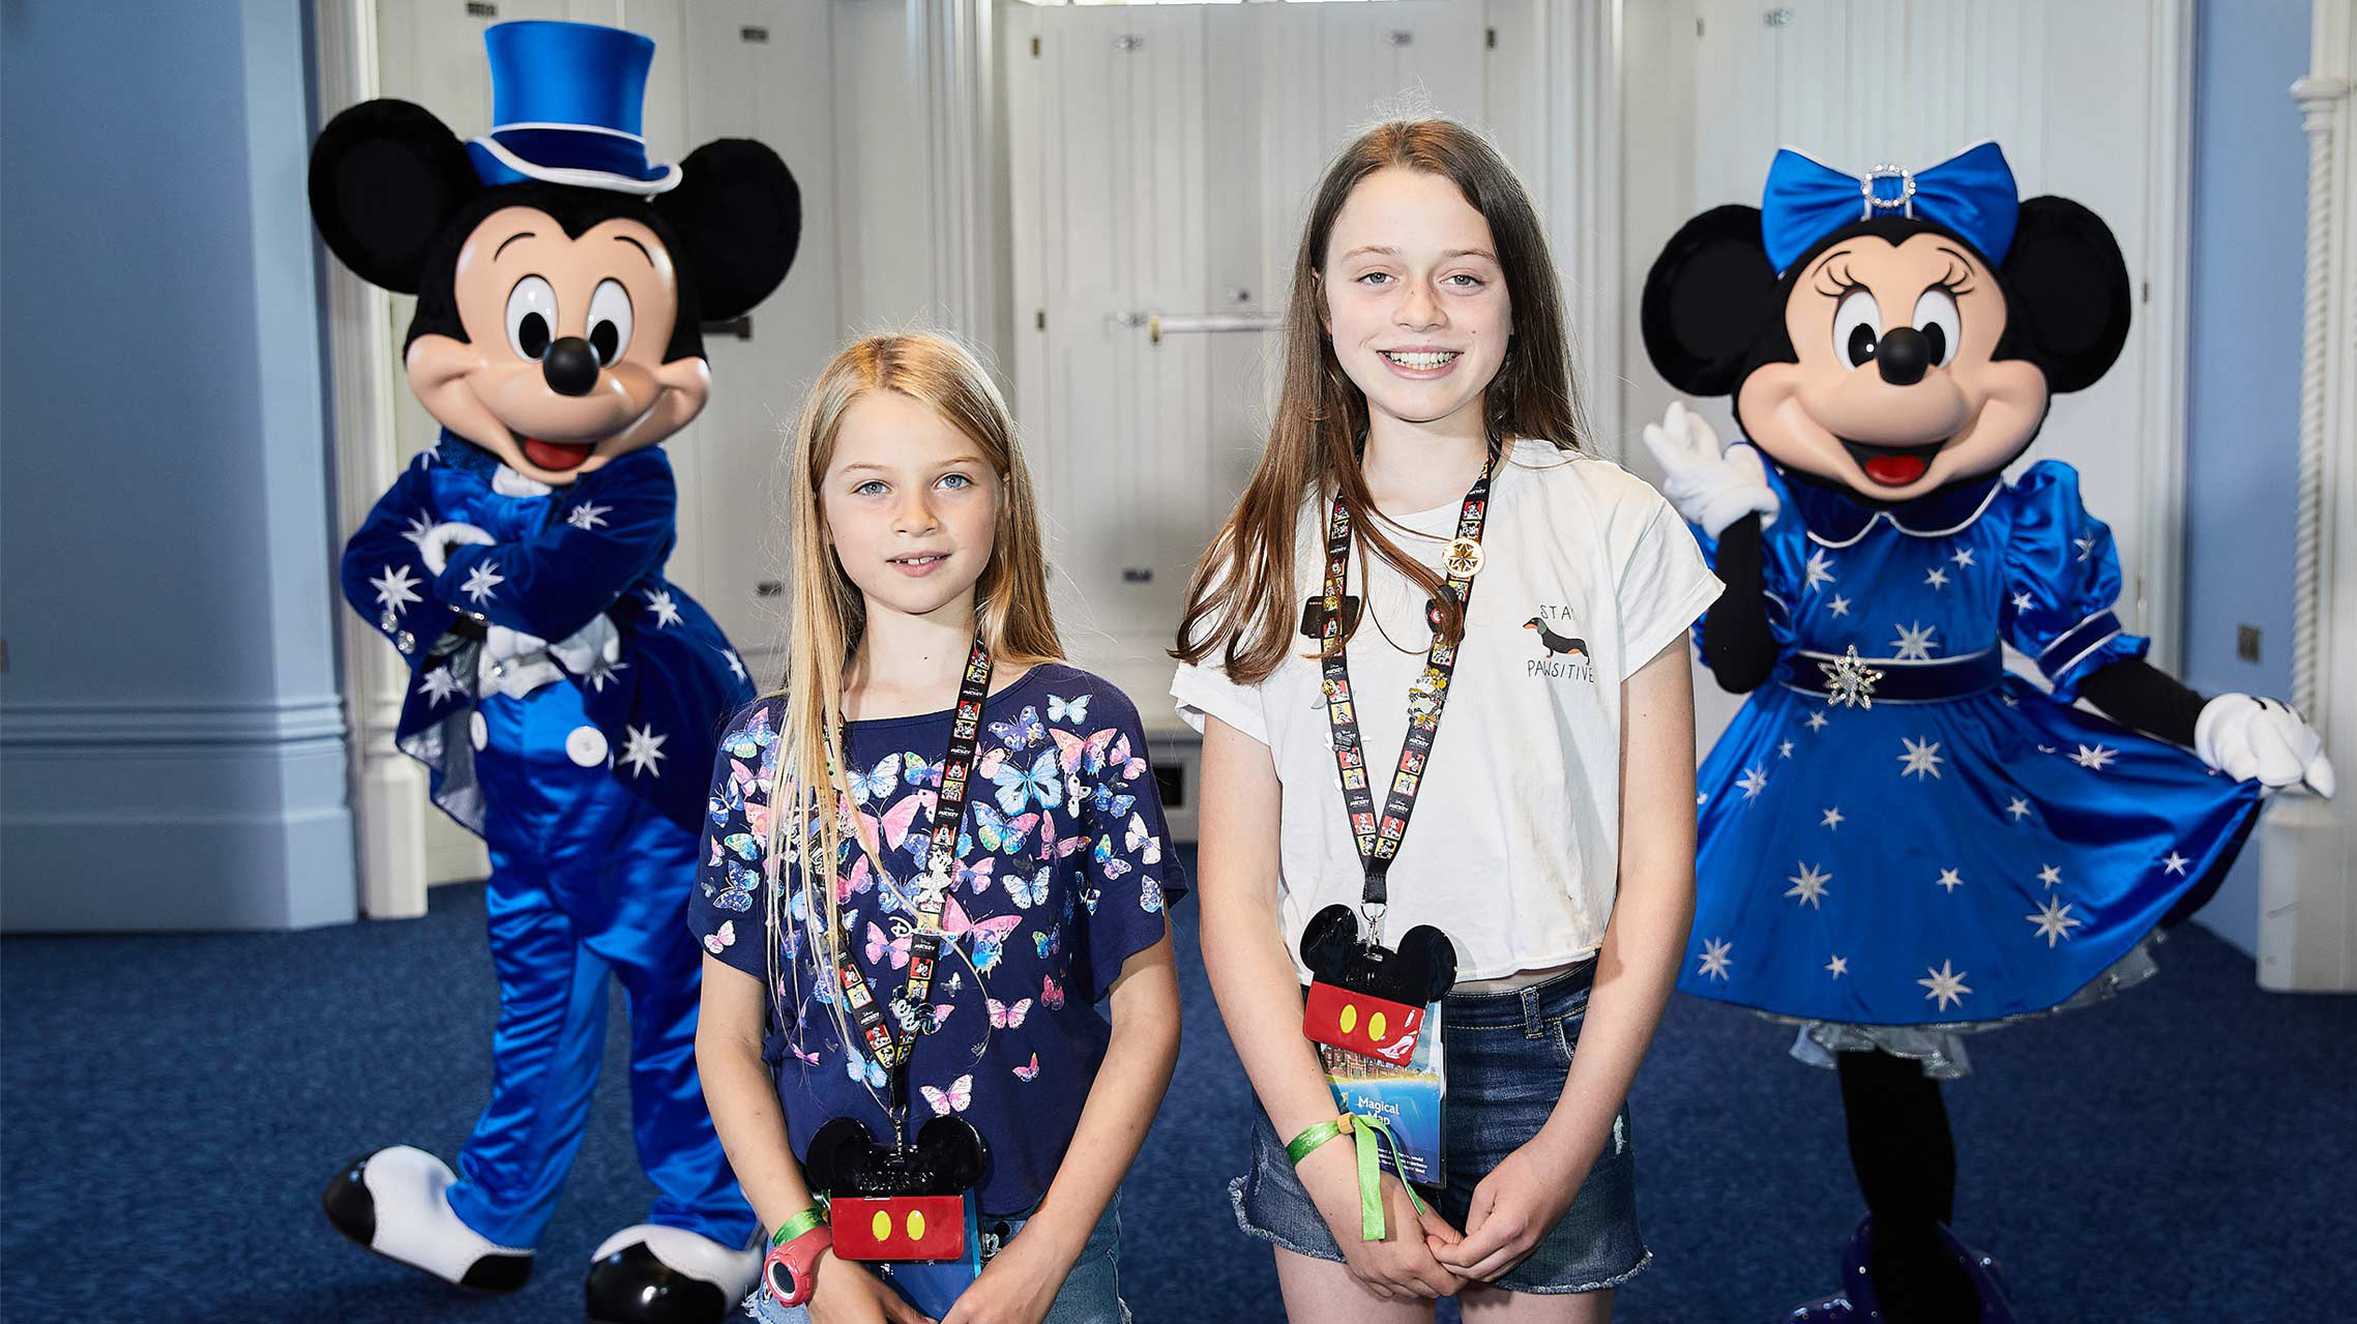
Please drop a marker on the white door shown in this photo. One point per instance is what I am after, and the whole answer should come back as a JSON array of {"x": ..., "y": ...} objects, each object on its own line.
[{"x": 1161, "y": 160}]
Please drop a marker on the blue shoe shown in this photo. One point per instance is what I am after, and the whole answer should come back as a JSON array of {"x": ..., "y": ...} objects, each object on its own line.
[{"x": 1859, "y": 1303}]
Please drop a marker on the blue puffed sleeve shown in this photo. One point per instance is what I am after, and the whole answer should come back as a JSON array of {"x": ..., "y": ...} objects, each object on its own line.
[
  {"x": 2062, "y": 579},
  {"x": 384, "y": 574},
  {"x": 729, "y": 912},
  {"x": 553, "y": 583},
  {"x": 1134, "y": 874}
]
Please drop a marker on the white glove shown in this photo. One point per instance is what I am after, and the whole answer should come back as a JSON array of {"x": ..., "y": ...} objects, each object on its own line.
[
  {"x": 1711, "y": 486},
  {"x": 584, "y": 649},
  {"x": 430, "y": 548},
  {"x": 2245, "y": 737},
  {"x": 501, "y": 644}
]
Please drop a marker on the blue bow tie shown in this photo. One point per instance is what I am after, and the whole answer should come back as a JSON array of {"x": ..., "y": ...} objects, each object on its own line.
[{"x": 1971, "y": 193}]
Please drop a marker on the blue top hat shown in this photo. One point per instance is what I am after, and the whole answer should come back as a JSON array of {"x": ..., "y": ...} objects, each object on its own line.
[{"x": 565, "y": 102}]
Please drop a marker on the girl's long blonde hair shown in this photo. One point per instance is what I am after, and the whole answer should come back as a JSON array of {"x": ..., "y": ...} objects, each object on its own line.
[
  {"x": 827, "y": 617},
  {"x": 1242, "y": 605}
]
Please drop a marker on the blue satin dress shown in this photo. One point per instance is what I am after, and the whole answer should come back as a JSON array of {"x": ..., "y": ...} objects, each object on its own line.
[
  {"x": 576, "y": 742},
  {"x": 1970, "y": 848}
]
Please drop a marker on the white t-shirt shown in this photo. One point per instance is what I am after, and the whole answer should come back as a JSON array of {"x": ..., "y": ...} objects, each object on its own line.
[{"x": 1514, "y": 848}]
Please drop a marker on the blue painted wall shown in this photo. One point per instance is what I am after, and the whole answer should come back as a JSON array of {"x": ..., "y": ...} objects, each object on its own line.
[
  {"x": 2250, "y": 185},
  {"x": 171, "y": 741}
]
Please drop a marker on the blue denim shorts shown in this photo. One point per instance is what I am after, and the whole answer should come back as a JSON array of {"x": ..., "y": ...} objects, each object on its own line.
[
  {"x": 1091, "y": 1293},
  {"x": 1507, "y": 1055}
]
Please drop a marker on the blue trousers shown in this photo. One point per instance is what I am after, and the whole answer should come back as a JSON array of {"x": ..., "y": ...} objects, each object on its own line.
[{"x": 587, "y": 880}]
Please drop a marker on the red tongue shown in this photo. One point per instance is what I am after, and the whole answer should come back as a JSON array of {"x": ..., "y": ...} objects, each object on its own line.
[
  {"x": 554, "y": 456},
  {"x": 1889, "y": 470}
]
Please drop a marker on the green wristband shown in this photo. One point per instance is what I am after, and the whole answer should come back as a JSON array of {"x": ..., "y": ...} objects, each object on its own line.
[
  {"x": 1373, "y": 1134},
  {"x": 798, "y": 1224}
]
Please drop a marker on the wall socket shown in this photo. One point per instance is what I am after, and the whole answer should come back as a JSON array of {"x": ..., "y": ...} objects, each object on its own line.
[{"x": 2246, "y": 642}]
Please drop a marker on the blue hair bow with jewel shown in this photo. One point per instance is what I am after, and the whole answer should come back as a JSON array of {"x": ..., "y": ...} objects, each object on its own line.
[{"x": 1971, "y": 193}]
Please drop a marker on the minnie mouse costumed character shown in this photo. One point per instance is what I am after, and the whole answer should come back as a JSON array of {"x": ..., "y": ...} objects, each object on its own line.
[
  {"x": 1900, "y": 841},
  {"x": 566, "y": 697}
]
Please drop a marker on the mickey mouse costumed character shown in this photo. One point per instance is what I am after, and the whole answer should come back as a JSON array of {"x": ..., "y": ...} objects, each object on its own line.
[
  {"x": 567, "y": 698},
  {"x": 1900, "y": 841}
]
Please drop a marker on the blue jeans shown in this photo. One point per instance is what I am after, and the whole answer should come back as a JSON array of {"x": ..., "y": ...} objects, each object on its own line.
[
  {"x": 1091, "y": 1293},
  {"x": 1507, "y": 1055}
]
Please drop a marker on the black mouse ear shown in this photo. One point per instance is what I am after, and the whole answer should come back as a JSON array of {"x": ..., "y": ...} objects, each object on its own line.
[
  {"x": 953, "y": 1151},
  {"x": 2066, "y": 294},
  {"x": 386, "y": 176},
  {"x": 738, "y": 213},
  {"x": 1426, "y": 953},
  {"x": 1708, "y": 298},
  {"x": 1332, "y": 935},
  {"x": 836, "y": 1154}
]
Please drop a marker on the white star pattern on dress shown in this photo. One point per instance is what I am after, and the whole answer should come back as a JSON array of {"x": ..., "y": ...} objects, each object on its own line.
[
  {"x": 666, "y": 612},
  {"x": 1914, "y": 642},
  {"x": 2175, "y": 863},
  {"x": 1936, "y": 577},
  {"x": 438, "y": 685},
  {"x": 1819, "y": 569},
  {"x": 1950, "y": 879},
  {"x": 643, "y": 750},
  {"x": 602, "y": 671},
  {"x": 2021, "y": 602},
  {"x": 1816, "y": 721},
  {"x": 2050, "y": 875},
  {"x": 1922, "y": 757},
  {"x": 1753, "y": 781},
  {"x": 1808, "y": 885},
  {"x": 2018, "y": 807},
  {"x": 1962, "y": 557},
  {"x": 420, "y": 525},
  {"x": 2054, "y": 920},
  {"x": 396, "y": 588},
  {"x": 1784, "y": 751},
  {"x": 1840, "y": 606},
  {"x": 736, "y": 665},
  {"x": 1839, "y": 965},
  {"x": 1946, "y": 984},
  {"x": 1833, "y": 817},
  {"x": 483, "y": 582},
  {"x": 1714, "y": 958},
  {"x": 2085, "y": 545},
  {"x": 588, "y": 515},
  {"x": 2097, "y": 757}
]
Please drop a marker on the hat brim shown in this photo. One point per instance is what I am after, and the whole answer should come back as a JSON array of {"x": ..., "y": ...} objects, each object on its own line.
[{"x": 499, "y": 162}]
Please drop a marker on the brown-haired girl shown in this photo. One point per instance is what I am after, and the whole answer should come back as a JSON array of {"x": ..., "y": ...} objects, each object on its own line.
[{"x": 1425, "y": 539}]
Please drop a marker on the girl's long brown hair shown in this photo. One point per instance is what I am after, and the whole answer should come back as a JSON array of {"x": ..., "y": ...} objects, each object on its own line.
[
  {"x": 827, "y": 617},
  {"x": 1242, "y": 601}
]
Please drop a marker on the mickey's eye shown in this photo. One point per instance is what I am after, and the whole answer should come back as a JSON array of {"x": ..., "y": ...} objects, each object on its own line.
[
  {"x": 531, "y": 311},
  {"x": 1941, "y": 324},
  {"x": 609, "y": 321},
  {"x": 1857, "y": 323}
]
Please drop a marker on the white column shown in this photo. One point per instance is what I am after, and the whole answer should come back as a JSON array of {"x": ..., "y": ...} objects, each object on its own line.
[{"x": 2308, "y": 877}]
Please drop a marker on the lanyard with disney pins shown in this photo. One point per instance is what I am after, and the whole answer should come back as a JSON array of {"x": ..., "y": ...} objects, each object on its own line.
[{"x": 1368, "y": 998}]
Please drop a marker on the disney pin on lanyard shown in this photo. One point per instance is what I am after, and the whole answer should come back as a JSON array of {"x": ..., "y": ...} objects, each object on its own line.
[
  {"x": 1368, "y": 998},
  {"x": 906, "y": 1202}
]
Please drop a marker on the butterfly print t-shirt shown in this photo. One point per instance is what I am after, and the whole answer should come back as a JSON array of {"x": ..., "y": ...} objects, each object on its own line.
[{"x": 1064, "y": 872}]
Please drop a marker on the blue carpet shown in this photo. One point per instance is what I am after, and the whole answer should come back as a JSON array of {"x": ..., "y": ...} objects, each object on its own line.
[{"x": 171, "y": 1106}]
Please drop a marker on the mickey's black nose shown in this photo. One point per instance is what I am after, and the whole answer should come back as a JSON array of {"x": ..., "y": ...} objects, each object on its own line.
[
  {"x": 1902, "y": 358},
  {"x": 571, "y": 366}
]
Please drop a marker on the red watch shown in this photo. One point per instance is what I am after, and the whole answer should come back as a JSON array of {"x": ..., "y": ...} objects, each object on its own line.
[{"x": 790, "y": 1270}]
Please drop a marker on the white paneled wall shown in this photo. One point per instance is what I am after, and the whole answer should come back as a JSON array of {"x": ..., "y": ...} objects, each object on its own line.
[{"x": 1160, "y": 161}]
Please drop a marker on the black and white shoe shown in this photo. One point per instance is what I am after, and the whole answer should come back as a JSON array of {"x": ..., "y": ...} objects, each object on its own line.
[
  {"x": 650, "y": 1274},
  {"x": 393, "y": 1203}
]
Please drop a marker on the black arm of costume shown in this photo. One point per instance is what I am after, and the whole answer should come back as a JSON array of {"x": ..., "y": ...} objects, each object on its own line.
[
  {"x": 1735, "y": 638},
  {"x": 2135, "y": 693}
]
